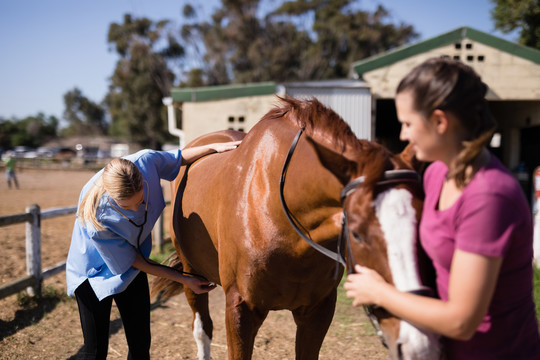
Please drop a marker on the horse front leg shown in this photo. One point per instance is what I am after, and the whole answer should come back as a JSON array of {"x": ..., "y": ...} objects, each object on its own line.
[
  {"x": 312, "y": 324},
  {"x": 202, "y": 323},
  {"x": 243, "y": 323}
]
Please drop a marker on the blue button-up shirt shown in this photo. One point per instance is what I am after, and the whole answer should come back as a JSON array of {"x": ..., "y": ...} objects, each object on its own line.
[{"x": 105, "y": 257}]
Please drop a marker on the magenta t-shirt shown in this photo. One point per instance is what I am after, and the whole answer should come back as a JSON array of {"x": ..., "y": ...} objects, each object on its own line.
[{"x": 490, "y": 218}]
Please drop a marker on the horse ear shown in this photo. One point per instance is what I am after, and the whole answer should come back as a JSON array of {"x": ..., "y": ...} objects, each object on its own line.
[
  {"x": 337, "y": 164},
  {"x": 408, "y": 155}
]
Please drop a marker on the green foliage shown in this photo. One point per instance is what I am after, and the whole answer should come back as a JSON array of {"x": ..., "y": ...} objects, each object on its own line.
[
  {"x": 537, "y": 292},
  {"x": 48, "y": 293},
  {"x": 241, "y": 47},
  {"x": 32, "y": 131},
  {"x": 83, "y": 115},
  {"x": 141, "y": 79},
  {"x": 523, "y": 15},
  {"x": 161, "y": 256}
]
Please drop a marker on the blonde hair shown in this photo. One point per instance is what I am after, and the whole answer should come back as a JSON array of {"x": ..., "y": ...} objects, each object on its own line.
[
  {"x": 450, "y": 85},
  {"x": 121, "y": 179}
]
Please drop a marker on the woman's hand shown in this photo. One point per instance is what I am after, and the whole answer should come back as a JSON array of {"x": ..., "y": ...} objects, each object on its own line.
[
  {"x": 222, "y": 147},
  {"x": 191, "y": 154},
  {"x": 363, "y": 286},
  {"x": 197, "y": 285}
]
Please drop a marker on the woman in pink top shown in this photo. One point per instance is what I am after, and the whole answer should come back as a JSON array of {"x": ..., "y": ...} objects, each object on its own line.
[{"x": 476, "y": 224}]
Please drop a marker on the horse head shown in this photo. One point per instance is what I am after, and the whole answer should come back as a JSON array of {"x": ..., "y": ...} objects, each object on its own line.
[{"x": 382, "y": 203}]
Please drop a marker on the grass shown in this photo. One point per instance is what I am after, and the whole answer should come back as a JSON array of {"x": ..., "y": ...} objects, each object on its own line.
[
  {"x": 536, "y": 292},
  {"x": 160, "y": 256}
]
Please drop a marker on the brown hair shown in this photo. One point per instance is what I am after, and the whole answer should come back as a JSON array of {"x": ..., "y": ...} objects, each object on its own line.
[
  {"x": 451, "y": 86},
  {"x": 121, "y": 179}
]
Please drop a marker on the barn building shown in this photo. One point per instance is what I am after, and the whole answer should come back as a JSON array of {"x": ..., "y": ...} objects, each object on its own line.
[{"x": 366, "y": 101}]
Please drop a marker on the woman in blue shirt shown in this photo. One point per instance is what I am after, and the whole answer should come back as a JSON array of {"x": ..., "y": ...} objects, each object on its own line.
[{"x": 112, "y": 239}]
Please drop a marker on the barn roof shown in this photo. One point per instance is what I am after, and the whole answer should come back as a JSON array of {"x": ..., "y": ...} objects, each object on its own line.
[{"x": 404, "y": 52}]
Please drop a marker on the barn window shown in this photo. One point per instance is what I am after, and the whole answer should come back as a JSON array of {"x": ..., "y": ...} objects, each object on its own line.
[
  {"x": 480, "y": 58},
  {"x": 456, "y": 57},
  {"x": 458, "y": 46},
  {"x": 231, "y": 119},
  {"x": 468, "y": 46},
  {"x": 470, "y": 58}
]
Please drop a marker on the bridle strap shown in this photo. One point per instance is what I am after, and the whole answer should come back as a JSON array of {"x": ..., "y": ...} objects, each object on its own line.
[
  {"x": 389, "y": 176},
  {"x": 329, "y": 253}
]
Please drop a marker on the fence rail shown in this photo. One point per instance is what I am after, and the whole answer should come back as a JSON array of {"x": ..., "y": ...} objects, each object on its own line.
[{"x": 33, "y": 280}]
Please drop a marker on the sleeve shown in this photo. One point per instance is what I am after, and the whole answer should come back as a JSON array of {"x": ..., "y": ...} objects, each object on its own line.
[
  {"x": 117, "y": 253},
  {"x": 485, "y": 224},
  {"x": 166, "y": 163}
]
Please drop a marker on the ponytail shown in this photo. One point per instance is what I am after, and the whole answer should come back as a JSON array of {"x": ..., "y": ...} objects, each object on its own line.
[
  {"x": 88, "y": 206},
  {"x": 121, "y": 179}
]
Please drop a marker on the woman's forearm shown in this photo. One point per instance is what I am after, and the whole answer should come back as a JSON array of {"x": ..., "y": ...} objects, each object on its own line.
[
  {"x": 153, "y": 268},
  {"x": 189, "y": 155}
]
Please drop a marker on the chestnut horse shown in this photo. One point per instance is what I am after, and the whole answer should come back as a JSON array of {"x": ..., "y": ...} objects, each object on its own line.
[{"x": 229, "y": 226}]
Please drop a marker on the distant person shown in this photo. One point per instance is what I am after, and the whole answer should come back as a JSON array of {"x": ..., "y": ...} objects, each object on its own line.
[
  {"x": 475, "y": 226},
  {"x": 10, "y": 170},
  {"x": 112, "y": 239}
]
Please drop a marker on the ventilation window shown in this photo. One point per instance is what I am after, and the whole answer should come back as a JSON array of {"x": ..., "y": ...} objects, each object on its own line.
[
  {"x": 456, "y": 57},
  {"x": 468, "y": 46},
  {"x": 237, "y": 123},
  {"x": 480, "y": 58},
  {"x": 470, "y": 58},
  {"x": 458, "y": 46}
]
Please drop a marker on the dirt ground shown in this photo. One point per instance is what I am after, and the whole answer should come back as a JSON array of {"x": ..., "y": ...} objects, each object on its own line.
[{"x": 50, "y": 328}]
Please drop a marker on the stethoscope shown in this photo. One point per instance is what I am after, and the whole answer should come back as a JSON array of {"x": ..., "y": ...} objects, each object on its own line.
[{"x": 141, "y": 227}]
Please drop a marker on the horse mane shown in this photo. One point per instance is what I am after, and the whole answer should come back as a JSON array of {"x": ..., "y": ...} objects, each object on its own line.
[{"x": 315, "y": 118}]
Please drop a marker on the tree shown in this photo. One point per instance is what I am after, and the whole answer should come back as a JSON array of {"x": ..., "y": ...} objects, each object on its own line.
[
  {"x": 344, "y": 34},
  {"x": 32, "y": 131},
  {"x": 83, "y": 115},
  {"x": 141, "y": 79},
  {"x": 523, "y": 15},
  {"x": 300, "y": 40}
]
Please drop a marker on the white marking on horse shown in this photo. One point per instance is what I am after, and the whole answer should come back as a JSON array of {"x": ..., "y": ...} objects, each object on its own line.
[
  {"x": 202, "y": 340},
  {"x": 398, "y": 222}
]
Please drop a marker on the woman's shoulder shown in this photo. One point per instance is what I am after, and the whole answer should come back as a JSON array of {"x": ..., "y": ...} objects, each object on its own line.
[{"x": 436, "y": 171}]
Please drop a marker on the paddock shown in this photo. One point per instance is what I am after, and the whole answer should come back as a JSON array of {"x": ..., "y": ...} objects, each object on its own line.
[{"x": 50, "y": 328}]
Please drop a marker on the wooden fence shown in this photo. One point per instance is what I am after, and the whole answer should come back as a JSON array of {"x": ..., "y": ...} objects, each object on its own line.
[{"x": 35, "y": 276}]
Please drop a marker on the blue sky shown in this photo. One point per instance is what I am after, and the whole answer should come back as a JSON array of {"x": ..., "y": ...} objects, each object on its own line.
[{"x": 49, "y": 47}]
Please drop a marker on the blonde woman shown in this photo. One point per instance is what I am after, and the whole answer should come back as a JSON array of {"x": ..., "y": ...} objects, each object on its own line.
[
  {"x": 111, "y": 241},
  {"x": 475, "y": 226}
]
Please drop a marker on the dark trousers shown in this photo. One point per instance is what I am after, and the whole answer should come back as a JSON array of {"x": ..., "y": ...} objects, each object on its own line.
[{"x": 134, "y": 307}]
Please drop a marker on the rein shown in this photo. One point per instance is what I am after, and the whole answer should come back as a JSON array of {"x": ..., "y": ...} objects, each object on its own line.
[{"x": 346, "y": 260}]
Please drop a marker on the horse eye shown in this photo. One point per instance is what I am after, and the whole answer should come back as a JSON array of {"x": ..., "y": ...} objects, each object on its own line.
[{"x": 357, "y": 236}]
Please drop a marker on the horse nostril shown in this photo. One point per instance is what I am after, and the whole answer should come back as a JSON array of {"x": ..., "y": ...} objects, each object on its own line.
[{"x": 399, "y": 351}]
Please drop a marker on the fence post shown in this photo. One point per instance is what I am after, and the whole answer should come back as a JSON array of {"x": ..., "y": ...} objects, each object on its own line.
[
  {"x": 158, "y": 233},
  {"x": 33, "y": 248}
]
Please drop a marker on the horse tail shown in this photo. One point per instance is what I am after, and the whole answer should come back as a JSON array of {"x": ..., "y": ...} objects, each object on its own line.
[{"x": 164, "y": 289}]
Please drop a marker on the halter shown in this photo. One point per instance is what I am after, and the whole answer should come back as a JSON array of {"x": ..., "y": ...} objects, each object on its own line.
[{"x": 346, "y": 260}]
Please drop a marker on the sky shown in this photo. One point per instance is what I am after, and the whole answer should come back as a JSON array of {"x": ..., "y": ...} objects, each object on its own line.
[{"x": 49, "y": 47}]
